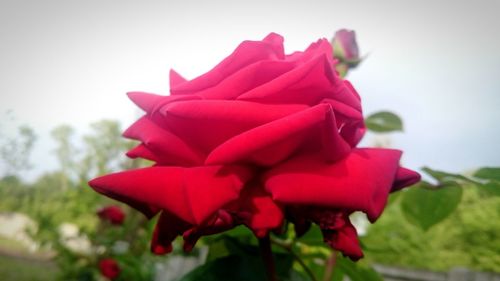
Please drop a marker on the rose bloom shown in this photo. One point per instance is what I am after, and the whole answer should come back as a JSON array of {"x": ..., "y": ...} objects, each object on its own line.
[
  {"x": 112, "y": 214},
  {"x": 109, "y": 268},
  {"x": 262, "y": 138}
]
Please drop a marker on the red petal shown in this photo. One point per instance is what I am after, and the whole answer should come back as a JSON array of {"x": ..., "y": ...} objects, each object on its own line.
[
  {"x": 166, "y": 230},
  {"x": 308, "y": 83},
  {"x": 166, "y": 146},
  {"x": 263, "y": 213},
  {"x": 175, "y": 78},
  {"x": 311, "y": 129},
  {"x": 345, "y": 240},
  {"x": 246, "y": 79},
  {"x": 349, "y": 120},
  {"x": 192, "y": 194},
  {"x": 208, "y": 123},
  {"x": 146, "y": 101},
  {"x": 248, "y": 52},
  {"x": 141, "y": 151},
  {"x": 150, "y": 102},
  {"x": 361, "y": 181},
  {"x": 404, "y": 178},
  {"x": 221, "y": 223},
  {"x": 320, "y": 47}
]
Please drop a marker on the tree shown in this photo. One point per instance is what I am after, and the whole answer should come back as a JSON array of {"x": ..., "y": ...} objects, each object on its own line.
[
  {"x": 15, "y": 151},
  {"x": 65, "y": 152},
  {"x": 104, "y": 148}
]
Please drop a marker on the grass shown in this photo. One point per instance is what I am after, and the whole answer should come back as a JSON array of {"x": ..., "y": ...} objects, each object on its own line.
[
  {"x": 22, "y": 269},
  {"x": 12, "y": 245},
  {"x": 18, "y": 264}
]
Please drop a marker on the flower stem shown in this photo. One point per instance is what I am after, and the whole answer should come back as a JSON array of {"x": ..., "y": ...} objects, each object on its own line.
[
  {"x": 288, "y": 246},
  {"x": 267, "y": 257},
  {"x": 330, "y": 266}
]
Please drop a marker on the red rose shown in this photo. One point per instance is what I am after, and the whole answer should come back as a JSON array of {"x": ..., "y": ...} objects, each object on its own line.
[
  {"x": 261, "y": 136},
  {"x": 109, "y": 268},
  {"x": 112, "y": 214}
]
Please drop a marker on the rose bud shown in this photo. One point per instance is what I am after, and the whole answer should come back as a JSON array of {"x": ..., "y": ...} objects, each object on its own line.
[
  {"x": 112, "y": 214},
  {"x": 261, "y": 137},
  {"x": 345, "y": 50},
  {"x": 109, "y": 268}
]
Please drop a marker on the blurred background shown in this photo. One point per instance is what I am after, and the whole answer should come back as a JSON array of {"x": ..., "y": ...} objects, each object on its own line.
[{"x": 66, "y": 66}]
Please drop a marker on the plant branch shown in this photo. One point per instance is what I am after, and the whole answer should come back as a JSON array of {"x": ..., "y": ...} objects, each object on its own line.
[
  {"x": 288, "y": 246},
  {"x": 330, "y": 266},
  {"x": 267, "y": 257}
]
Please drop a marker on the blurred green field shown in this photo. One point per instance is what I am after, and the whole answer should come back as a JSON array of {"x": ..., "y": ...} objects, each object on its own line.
[
  {"x": 24, "y": 269},
  {"x": 18, "y": 264}
]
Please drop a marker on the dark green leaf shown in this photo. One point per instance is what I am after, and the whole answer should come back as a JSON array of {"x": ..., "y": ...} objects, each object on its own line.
[
  {"x": 491, "y": 188},
  {"x": 384, "y": 121},
  {"x": 425, "y": 207},
  {"x": 243, "y": 264},
  {"x": 444, "y": 177},
  {"x": 356, "y": 271},
  {"x": 313, "y": 236},
  {"x": 393, "y": 197},
  {"x": 488, "y": 173}
]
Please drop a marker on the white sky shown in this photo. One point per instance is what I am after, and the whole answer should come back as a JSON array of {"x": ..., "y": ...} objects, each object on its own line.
[{"x": 436, "y": 64}]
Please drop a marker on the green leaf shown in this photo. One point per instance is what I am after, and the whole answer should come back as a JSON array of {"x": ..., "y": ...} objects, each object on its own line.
[
  {"x": 488, "y": 173},
  {"x": 243, "y": 264},
  {"x": 426, "y": 207},
  {"x": 491, "y": 188},
  {"x": 384, "y": 121},
  {"x": 313, "y": 237},
  {"x": 393, "y": 197},
  {"x": 217, "y": 249},
  {"x": 356, "y": 271},
  {"x": 445, "y": 177}
]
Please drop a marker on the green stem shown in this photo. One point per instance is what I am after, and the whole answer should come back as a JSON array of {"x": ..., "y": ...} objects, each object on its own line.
[
  {"x": 267, "y": 257},
  {"x": 330, "y": 266},
  {"x": 288, "y": 246}
]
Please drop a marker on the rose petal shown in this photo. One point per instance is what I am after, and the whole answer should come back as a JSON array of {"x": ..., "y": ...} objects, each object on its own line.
[
  {"x": 349, "y": 120},
  {"x": 208, "y": 123},
  {"x": 320, "y": 47},
  {"x": 221, "y": 223},
  {"x": 308, "y": 83},
  {"x": 311, "y": 129},
  {"x": 192, "y": 194},
  {"x": 345, "y": 240},
  {"x": 361, "y": 181},
  {"x": 246, "y": 79},
  {"x": 150, "y": 102},
  {"x": 166, "y": 230},
  {"x": 175, "y": 78},
  {"x": 404, "y": 178},
  {"x": 264, "y": 213},
  {"x": 166, "y": 146},
  {"x": 141, "y": 151},
  {"x": 146, "y": 101},
  {"x": 248, "y": 52}
]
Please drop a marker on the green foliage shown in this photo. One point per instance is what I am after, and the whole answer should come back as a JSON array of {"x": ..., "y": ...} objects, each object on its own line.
[
  {"x": 243, "y": 262},
  {"x": 26, "y": 269},
  {"x": 355, "y": 271},
  {"x": 15, "y": 150},
  {"x": 425, "y": 207},
  {"x": 384, "y": 121},
  {"x": 437, "y": 225},
  {"x": 468, "y": 237},
  {"x": 488, "y": 173}
]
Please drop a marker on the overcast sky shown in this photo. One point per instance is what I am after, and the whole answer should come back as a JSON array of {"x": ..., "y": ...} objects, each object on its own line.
[{"x": 436, "y": 64}]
